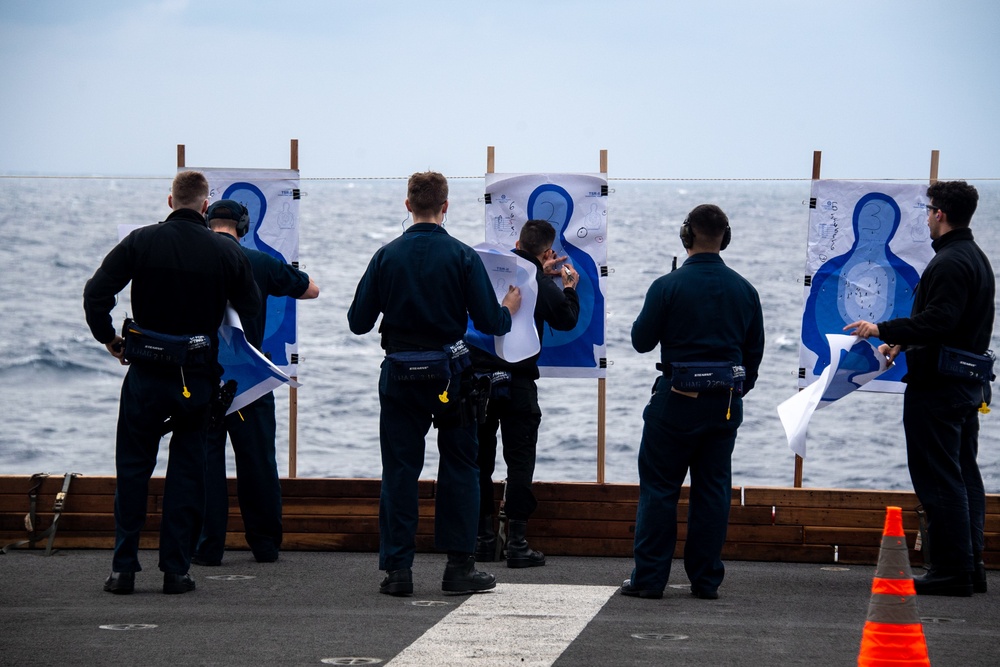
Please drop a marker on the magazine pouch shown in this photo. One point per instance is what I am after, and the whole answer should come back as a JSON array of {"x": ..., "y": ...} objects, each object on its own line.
[
  {"x": 458, "y": 356},
  {"x": 707, "y": 376},
  {"x": 968, "y": 366},
  {"x": 500, "y": 384}
]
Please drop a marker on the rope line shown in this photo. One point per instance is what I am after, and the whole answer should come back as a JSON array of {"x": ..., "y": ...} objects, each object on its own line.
[{"x": 403, "y": 178}]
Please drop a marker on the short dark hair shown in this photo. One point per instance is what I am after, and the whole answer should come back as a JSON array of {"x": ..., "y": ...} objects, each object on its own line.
[
  {"x": 708, "y": 221},
  {"x": 957, "y": 199},
  {"x": 537, "y": 237},
  {"x": 189, "y": 190},
  {"x": 427, "y": 192}
]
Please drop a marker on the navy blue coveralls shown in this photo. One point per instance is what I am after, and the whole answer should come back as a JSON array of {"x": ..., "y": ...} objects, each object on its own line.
[
  {"x": 954, "y": 306},
  {"x": 519, "y": 415},
  {"x": 252, "y": 431},
  {"x": 703, "y": 311},
  {"x": 182, "y": 274},
  {"x": 426, "y": 285}
]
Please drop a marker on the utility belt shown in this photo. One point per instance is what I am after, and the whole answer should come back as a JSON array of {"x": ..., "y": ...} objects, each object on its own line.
[
  {"x": 704, "y": 376},
  {"x": 969, "y": 366},
  {"x": 452, "y": 362},
  {"x": 157, "y": 350},
  {"x": 422, "y": 365},
  {"x": 147, "y": 346}
]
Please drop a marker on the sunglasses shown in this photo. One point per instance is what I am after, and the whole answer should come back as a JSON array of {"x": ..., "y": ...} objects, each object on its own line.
[{"x": 931, "y": 208}]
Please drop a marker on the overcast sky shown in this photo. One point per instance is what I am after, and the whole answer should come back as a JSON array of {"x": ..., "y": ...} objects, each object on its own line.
[{"x": 672, "y": 89}]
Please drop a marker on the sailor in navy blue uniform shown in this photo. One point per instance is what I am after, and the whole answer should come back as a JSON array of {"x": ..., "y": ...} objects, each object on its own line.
[
  {"x": 426, "y": 285},
  {"x": 182, "y": 274},
  {"x": 702, "y": 312},
  {"x": 251, "y": 429}
]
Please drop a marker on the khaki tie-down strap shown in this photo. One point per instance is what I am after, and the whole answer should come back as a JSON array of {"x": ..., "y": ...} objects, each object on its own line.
[{"x": 31, "y": 518}]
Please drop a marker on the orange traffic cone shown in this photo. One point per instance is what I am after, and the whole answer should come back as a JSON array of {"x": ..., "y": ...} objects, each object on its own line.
[{"x": 893, "y": 634}]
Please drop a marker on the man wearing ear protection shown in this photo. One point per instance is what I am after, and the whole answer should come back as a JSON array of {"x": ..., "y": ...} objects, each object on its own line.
[
  {"x": 708, "y": 322},
  {"x": 947, "y": 380},
  {"x": 182, "y": 275},
  {"x": 251, "y": 429}
]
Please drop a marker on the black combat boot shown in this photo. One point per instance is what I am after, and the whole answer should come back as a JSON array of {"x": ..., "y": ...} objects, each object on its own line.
[
  {"x": 486, "y": 540},
  {"x": 978, "y": 574},
  {"x": 397, "y": 582},
  {"x": 461, "y": 575},
  {"x": 519, "y": 554},
  {"x": 955, "y": 583}
]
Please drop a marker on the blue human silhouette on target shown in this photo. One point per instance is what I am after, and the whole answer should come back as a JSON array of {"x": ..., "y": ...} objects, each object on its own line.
[
  {"x": 868, "y": 282},
  {"x": 573, "y": 348},
  {"x": 279, "y": 331}
]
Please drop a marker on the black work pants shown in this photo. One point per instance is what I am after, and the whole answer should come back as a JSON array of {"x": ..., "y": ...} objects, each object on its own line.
[
  {"x": 407, "y": 410},
  {"x": 149, "y": 396},
  {"x": 942, "y": 442},
  {"x": 684, "y": 434},
  {"x": 252, "y": 431},
  {"x": 517, "y": 417}
]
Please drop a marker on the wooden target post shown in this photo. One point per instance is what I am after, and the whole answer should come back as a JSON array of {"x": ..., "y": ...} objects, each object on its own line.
[
  {"x": 293, "y": 392},
  {"x": 293, "y": 395},
  {"x": 601, "y": 382}
]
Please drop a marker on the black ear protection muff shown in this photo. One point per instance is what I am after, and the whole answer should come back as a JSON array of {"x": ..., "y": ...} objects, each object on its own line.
[
  {"x": 227, "y": 209},
  {"x": 687, "y": 235},
  {"x": 243, "y": 224}
]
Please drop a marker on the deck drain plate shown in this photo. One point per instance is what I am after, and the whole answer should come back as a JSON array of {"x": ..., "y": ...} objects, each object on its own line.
[{"x": 658, "y": 636}]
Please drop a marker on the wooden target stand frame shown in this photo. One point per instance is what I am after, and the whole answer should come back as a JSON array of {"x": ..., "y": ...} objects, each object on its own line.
[
  {"x": 293, "y": 392},
  {"x": 601, "y": 382},
  {"x": 817, "y": 161}
]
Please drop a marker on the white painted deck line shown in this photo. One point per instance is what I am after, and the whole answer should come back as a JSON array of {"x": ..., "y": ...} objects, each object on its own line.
[{"x": 516, "y": 624}]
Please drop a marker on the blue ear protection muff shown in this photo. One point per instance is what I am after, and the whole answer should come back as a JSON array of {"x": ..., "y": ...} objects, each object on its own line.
[
  {"x": 687, "y": 236},
  {"x": 227, "y": 209}
]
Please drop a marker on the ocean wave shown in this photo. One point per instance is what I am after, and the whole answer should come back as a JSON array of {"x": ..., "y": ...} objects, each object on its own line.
[{"x": 44, "y": 364}]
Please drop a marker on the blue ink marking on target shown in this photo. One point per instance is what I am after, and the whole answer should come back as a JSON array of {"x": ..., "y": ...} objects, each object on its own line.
[
  {"x": 868, "y": 282},
  {"x": 855, "y": 362},
  {"x": 573, "y": 348},
  {"x": 279, "y": 330}
]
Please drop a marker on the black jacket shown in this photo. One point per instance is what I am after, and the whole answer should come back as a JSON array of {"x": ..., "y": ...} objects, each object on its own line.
[
  {"x": 182, "y": 274},
  {"x": 953, "y": 305}
]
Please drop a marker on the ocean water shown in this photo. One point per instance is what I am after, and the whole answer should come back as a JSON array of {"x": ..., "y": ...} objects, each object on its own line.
[{"x": 60, "y": 388}]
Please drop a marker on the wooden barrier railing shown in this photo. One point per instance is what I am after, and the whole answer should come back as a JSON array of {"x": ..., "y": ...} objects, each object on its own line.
[{"x": 573, "y": 519}]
